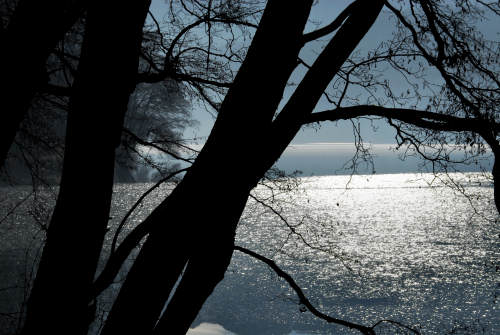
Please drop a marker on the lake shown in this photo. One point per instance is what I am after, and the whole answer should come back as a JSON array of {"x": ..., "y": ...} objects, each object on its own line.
[{"x": 403, "y": 247}]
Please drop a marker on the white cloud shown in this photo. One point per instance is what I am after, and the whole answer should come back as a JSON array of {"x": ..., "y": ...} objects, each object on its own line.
[{"x": 209, "y": 329}]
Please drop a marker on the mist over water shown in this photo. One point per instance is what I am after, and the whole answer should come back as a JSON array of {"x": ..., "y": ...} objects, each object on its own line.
[
  {"x": 396, "y": 246},
  {"x": 337, "y": 159}
]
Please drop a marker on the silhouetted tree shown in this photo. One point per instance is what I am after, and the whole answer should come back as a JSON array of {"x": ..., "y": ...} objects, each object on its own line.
[
  {"x": 192, "y": 231},
  {"x": 27, "y": 40},
  {"x": 272, "y": 55},
  {"x": 98, "y": 103},
  {"x": 157, "y": 115},
  {"x": 451, "y": 89},
  {"x": 247, "y": 128}
]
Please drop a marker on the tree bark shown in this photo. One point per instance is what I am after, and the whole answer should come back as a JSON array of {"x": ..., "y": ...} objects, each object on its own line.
[
  {"x": 204, "y": 271},
  {"x": 226, "y": 170},
  {"x": 197, "y": 226},
  {"x": 490, "y": 136},
  {"x": 213, "y": 193},
  {"x": 495, "y": 147},
  {"x": 301, "y": 104},
  {"x": 496, "y": 182},
  {"x": 150, "y": 280},
  {"x": 105, "y": 79},
  {"x": 31, "y": 35}
]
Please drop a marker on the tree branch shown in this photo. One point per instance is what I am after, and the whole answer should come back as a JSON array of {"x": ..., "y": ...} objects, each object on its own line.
[
  {"x": 424, "y": 119},
  {"x": 326, "y": 66},
  {"x": 161, "y": 76},
  {"x": 121, "y": 253},
  {"x": 154, "y": 145},
  {"x": 334, "y": 25},
  {"x": 137, "y": 203},
  {"x": 451, "y": 82},
  {"x": 303, "y": 299}
]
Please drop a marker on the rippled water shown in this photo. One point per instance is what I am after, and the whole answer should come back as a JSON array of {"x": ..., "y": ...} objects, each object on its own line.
[
  {"x": 395, "y": 248},
  {"x": 378, "y": 247}
]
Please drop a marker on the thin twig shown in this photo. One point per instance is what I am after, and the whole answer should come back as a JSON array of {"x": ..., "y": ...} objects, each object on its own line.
[
  {"x": 303, "y": 299},
  {"x": 138, "y": 202}
]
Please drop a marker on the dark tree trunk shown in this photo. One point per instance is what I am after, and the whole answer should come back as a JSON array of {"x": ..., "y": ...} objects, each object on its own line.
[
  {"x": 105, "y": 79},
  {"x": 207, "y": 205},
  {"x": 31, "y": 35},
  {"x": 196, "y": 221},
  {"x": 495, "y": 146},
  {"x": 169, "y": 256},
  {"x": 496, "y": 183},
  {"x": 204, "y": 271},
  {"x": 490, "y": 138},
  {"x": 213, "y": 194}
]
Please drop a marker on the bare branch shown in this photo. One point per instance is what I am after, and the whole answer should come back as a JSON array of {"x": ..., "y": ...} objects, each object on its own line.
[
  {"x": 334, "y": 25},
  {"x": 154, "y": 145},
  {"x": 419, "y": 118},
  {"x": 326, "y": 66},
  {"x": 138, "y": 202},
  {"x": 303, "y": 299}
]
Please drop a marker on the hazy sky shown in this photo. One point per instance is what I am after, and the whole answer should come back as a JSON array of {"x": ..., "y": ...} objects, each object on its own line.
[
  {"x": 323, "y": 12},
  {"x": 313, "y": 150}
]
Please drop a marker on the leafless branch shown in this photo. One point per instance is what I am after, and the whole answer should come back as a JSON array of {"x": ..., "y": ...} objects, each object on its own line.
[
  {"x": 138, "y": 202},
  {"x": 154, "y": 145},
  {"x": 419, "y": 118},
  {"x": 334, "y": 25},
  {"x": 302, "y": 297}
]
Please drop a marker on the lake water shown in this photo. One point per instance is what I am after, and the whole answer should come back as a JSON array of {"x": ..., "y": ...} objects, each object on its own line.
[{"x": 398, "y": 246}]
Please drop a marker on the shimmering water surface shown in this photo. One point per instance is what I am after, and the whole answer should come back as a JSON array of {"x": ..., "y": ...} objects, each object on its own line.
[
  {"x": 399, "y": 247},
  {"x": 394, "y": 248}
]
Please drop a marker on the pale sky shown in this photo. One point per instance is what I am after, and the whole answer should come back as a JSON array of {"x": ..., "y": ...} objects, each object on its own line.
[{"x": 323, "y": 150}]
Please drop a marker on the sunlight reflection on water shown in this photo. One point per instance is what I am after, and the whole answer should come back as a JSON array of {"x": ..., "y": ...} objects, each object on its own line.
[
  {"x": 385, "y": 247},
  {"x": 395, "y": 248}
]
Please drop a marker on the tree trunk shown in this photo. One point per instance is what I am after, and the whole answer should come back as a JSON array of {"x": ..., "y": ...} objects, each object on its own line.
[
  {"x": 204, "y": 271},
  {"x": 31, "y": 35},
  {"x": 495, "y": 147},
  {"x": 243, "y": 144},
  {"x": 149, "y": 282},
  {"x": 201, "y": 223},
  {"x": 496, "y": 183},
  {"x": 105, "y": 79},
  {"x": 491, "y": 139},
  {"x": 213, "y": 194}
]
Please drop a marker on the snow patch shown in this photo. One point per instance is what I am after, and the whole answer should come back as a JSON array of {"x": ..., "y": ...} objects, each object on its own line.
[{"x": 209, "y": 329}]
